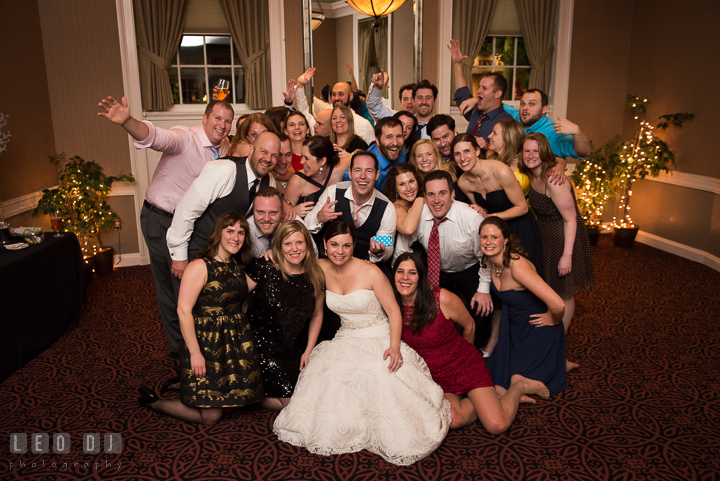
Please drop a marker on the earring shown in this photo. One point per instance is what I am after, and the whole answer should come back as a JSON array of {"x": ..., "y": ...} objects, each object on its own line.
[
  {"x": 504, "y": 247},
  {"x": 321, "y": 169},
  {"x": 326, "y": 252}
]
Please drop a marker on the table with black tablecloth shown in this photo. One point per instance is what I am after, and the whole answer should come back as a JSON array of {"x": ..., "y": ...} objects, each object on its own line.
[{"x": 42, "y": 289}]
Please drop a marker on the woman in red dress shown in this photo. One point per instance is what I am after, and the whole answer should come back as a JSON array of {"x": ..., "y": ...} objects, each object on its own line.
[{"x": 429, "y": 317}]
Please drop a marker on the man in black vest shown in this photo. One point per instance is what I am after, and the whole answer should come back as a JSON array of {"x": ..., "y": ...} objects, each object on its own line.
[
  {"x": 223, "y": 185},
  {"x": 359, "y": 203}
]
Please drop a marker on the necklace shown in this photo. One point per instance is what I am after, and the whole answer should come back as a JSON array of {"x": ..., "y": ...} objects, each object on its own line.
[{"x": 497, "y": 271}]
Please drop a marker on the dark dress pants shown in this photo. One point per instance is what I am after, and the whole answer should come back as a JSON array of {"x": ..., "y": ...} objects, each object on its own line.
[
  {"x": 464, "y": 284},
  {"x": 154, "y": 227}
]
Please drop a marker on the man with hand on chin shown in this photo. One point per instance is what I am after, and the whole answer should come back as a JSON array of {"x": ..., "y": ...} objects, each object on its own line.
[
  {"x": 185, "y": 151},
  {"x": 359, "y": 203},
  {"x": 224, "y": 185},
  {"x": 448, "y": 231}
]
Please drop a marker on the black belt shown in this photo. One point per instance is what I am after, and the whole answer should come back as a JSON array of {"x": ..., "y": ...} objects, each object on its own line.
[{"x": 157, "y": 210}]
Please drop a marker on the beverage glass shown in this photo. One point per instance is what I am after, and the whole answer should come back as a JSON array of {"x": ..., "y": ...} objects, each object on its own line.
[
  {"x": 223, "y": 87},
  {"x": 56, "y": 222}
]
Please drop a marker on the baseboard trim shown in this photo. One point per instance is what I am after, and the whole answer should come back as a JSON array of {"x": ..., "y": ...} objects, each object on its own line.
[
  {"x": 678, "y": 249},
  {"x": 127, "y": 260}
]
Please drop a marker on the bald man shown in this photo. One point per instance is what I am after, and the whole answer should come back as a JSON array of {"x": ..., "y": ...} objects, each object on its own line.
[{"x": 322, "y": 123}]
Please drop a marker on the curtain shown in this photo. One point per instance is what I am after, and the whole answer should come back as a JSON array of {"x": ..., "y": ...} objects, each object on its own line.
[
  {"x": 249, "y": 23},
  {"x": 381, "y": 48},
  {"x": 537, "y": 21},
  {"x": 365, "y": 33},
  {"x": 158, "y": 30},
  {"x": 471, "y": 22}
]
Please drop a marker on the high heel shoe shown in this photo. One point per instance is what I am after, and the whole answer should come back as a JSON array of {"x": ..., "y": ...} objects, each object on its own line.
[
  {"x": 147, "y": 396},
  {"x": 166, "y": 385}
]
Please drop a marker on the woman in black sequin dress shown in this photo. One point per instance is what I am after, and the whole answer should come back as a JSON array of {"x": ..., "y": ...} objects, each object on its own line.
[{"x": 286, "y": 311}]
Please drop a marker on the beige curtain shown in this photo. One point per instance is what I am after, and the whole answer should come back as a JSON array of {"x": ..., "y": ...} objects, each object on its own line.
[
  {"x": 249, "y": 23},
  {"x": 537, "y": 21},
  {"x": 365, "y": 33},
  {"x": 158, "y": 30},
  {"x": 471, "y": 21},
  {"x": 381, "y": 47}
]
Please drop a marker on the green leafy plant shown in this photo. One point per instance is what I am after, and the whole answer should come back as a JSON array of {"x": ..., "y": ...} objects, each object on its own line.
[
  {"x": 81, "y": 199},
  {"x": 612, "y": 169}
]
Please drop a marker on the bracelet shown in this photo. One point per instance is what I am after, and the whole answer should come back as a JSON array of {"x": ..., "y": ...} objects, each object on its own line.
[
  {"x": 288, "y": 202},
  {"x": 287, "y": 103}
]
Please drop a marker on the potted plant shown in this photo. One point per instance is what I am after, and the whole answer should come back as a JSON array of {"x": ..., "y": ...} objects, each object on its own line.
[
  {"x": 645, "y": 155},
  {"x": 80, "y": 197},
  {"x": 596, "y": 179},
  {"x": 616, "y": 165}
]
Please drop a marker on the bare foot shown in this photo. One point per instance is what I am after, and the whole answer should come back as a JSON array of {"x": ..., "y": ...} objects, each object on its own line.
[
  {"x": 530, "y": 386},
  {"x": 569, "y": 366},
  {"x": 523, "y": 399}
]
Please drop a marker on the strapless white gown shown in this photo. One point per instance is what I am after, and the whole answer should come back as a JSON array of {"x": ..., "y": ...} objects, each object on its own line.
[{"x": 346, "y": 400}]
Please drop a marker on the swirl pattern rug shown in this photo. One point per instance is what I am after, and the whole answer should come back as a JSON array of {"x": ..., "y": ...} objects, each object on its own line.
[{"x": 645, "y": 403}]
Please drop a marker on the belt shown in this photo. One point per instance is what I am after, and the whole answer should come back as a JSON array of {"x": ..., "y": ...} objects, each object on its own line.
[{"x": 157, "y": 210}]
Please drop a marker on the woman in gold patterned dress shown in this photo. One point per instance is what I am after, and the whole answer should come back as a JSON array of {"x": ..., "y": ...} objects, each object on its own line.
[{"x": 219, "y": 366}]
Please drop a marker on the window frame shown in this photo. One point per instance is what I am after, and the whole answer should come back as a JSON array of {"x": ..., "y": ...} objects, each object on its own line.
[{"x": 515, "y": 66}]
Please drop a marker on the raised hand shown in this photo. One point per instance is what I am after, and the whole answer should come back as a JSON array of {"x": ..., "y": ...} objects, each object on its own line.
[
  {"x": 291, "y": 91},
  {"x": 327, "y": 213},
  {"x": 115, "y": 111},
  {"x": 455, "y": 53},
  {"x": 565, "y": 127},
  {"x": 305, "y": 78},
  {"x": 303, "y": 208},
  {"x": 468, "y": 105}
]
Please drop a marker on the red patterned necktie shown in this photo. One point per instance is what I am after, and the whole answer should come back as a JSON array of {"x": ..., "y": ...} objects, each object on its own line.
[
  {"x": 476, "y": 130},
  {"x": 433, "y": 253}
]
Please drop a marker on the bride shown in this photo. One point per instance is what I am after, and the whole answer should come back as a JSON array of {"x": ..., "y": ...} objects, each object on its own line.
[{"x": 350, "y": 397}]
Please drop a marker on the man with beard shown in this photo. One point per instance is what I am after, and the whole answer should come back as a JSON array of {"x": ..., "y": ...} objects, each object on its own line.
[
  {"x": 424, "y": 97},
  {"x": 185, "y": 150},
  {"x": 388, "y": 148},
  {"x": 341, "y": 94},
  {"x": 223, "y": 186},
  {"x": 266, "y": 220},
  {"x": 361, "y": 204},
  {"x": 441, "y": 130},
  {"x": 490, "y": 93},
  {"x": 374, "y": 99}
]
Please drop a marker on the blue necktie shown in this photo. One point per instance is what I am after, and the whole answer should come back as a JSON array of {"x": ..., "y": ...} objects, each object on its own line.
[{"x": 215, "y": 152}]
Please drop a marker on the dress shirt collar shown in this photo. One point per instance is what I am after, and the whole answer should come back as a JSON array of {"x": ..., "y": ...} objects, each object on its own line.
[
  {"x": 349, "y": 196},
  {"x": 204, "y": 141},
  {"x": 427, "y": 216},
  {"x": 494, "y": 112},
  {"x": 250, "y": 174}
]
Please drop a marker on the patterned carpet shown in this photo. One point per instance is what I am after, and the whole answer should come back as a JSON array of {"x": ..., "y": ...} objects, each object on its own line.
[{"x": 644, "y": 405}]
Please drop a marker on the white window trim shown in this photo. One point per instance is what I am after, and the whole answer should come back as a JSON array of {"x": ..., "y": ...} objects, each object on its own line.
[{"x": 558, "y": 91}]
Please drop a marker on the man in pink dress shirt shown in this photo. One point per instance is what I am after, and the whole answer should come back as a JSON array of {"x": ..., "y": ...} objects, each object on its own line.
[{"x": 185, "y": 151}]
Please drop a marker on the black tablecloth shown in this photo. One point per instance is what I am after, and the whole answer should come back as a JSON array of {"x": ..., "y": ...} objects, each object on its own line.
[{"x": 42, "y": 289}]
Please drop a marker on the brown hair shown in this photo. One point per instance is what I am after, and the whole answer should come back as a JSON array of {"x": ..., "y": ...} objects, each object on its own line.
[
  {"x": 546, "y": 156},
  {"x": 390, "y": 189},
  {"x": 241, "y": 131},
  {"x": 513, "y": 251},
  {"x": 213, "y": 243},
  {"x": 512, "y": 135},
  {"x": 313, "y": 272}
]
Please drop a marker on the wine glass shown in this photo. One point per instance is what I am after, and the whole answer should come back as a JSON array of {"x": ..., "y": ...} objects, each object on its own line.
[
  {"x": 56, "y": 222},
  {"x": 223, "y": 87}
]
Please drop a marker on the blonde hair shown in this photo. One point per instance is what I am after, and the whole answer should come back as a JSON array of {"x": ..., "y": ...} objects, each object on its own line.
[
  {"x": 312, "y": 270},
  {"x": 351, "y": 125},
  {"x": 512, "y": 135},
  {"x": 439, "y": 162}
]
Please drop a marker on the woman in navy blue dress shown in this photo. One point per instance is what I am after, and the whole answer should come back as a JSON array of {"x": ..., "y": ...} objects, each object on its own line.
[{"x": 532, "y": 339}]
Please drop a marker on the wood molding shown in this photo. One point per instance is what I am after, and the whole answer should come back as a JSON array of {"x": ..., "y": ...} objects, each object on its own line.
[{"x": 678, "y": 249}]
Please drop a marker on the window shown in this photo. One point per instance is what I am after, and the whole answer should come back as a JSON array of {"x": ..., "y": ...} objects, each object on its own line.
[
  {"x": 506, "y": 55},
  {"x": 201, "y": 61}
]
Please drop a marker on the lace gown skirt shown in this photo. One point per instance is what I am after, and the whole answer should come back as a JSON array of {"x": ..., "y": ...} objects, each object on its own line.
[{"x": 346, "y": 400}]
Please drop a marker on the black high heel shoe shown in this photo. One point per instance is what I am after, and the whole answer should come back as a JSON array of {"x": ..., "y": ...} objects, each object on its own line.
[
  {"x": 166, "y": 385},
  {"x": 147, "y": 396}
]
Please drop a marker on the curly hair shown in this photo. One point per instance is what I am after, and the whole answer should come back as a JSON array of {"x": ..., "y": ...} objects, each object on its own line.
[
  {"x": 390, "y": 189},
  {"x": 512, "y": 250}
]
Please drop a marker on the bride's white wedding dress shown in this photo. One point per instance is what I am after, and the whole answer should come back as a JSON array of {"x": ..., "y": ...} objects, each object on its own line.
[{"x": 346, "y": 400}]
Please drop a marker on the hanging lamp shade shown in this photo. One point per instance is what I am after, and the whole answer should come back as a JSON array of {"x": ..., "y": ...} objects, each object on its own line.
[
  {"x": 375, "y": 8},
  {"x": 318, "y": 15}
]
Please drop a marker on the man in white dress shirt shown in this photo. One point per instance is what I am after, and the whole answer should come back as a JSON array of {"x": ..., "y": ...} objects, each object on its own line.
[
  {"x": 266, "y": 220},
  {"x": 374, "y": 99},
  {"x": 359, "y": 203},
  {"x": 459, "y": 249},
  {"x": 223, "y": 186}
]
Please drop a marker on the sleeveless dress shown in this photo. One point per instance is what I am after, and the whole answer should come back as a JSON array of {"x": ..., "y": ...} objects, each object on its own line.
[
  {"x": 550, "y": 222},
  {"x": 226, "y": 341},
  {"x": 525, "y": 227},
  {"x": 534, "y": 352},
  {"x": 455, "y": 364},
  {"x": 346, "y": 400},
  {"x": 279, "y": 314},
  {"x": 315, "y": 196}
]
